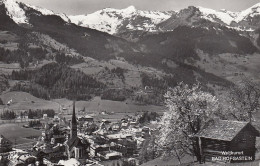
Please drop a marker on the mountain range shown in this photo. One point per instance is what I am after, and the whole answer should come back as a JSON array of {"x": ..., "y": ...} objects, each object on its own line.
[
  {"x": 115, "y": 21},
  {"x": 125, "y": 50}
]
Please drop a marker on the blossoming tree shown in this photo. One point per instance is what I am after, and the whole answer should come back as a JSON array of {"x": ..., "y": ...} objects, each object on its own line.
[{"x": 188, "y": 109}]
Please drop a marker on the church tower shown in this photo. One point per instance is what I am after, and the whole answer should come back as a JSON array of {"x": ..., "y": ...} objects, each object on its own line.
[{"x": 73, "y": 130}]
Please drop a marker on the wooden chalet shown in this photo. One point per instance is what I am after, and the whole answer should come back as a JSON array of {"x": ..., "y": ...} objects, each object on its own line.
[{"x": 222, "y": 140}]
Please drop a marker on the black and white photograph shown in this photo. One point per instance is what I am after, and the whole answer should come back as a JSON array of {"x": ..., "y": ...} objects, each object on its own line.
[{"x": 129, "y": 83}]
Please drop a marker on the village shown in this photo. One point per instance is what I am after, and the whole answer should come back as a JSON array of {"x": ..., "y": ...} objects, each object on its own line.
[{"x": 81, "y": 140}]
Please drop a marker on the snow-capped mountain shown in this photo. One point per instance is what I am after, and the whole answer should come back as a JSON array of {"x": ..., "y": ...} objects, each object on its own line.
[
  {"x": 248, "y": 13},
  {"x": 14, "y": 11},
  {"x": 115, "y": 21},
  {"x": 223, "y": 16},
  {"x": 48, "y": 12},
  {"x": 17, "y": 11},
  {"x": 246, "y": 20},
  {"x": 121, "y": 22},
  {"x": 178, "y": 50}
]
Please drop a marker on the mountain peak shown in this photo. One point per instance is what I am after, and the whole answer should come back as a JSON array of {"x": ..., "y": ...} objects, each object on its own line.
[
  {"x": 223, "y": 10},
  {"x": 130, "y": 8},
  {"x": 256, "y": 5},
  {"x": 250, "y": 12},
  {"x": 15, "y": 12}
]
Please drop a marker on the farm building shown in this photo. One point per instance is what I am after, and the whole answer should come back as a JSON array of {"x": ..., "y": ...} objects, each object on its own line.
[{"x": 227, "y": 141}]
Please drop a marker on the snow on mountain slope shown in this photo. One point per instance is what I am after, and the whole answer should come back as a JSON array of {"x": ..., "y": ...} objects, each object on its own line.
[
  {"x": 18, "y": 14},
  {"x": 15, "y": 12},
  {"x": 111, "y": 20},
  {"x": 41, "y": 10},
  {"x": 44, "y": 11},
  {"x": 225, "y": 16},
  {"x": 250, "y": 12},
  {"x": 228, "y": 17},
  {"x": 116, "y": 21}
]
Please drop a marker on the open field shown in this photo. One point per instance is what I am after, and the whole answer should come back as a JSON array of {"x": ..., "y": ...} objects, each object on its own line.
[
  {"x": 8, "y": 68},
  {"x": 99, "y": 109},
  {"x": 25, "y": 101},
  {"x": 8, "y": 36},
  {"x": 132, "y": 72},
  {"x": 97, "y": 105},
  {"x": 232, "y": 67},
  {"x": 17, "y": 134}
]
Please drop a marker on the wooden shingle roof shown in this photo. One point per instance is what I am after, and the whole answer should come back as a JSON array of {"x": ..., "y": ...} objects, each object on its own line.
[{"x": 221, "y": 129}]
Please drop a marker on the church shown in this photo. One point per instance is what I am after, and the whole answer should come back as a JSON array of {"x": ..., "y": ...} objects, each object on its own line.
[{"x": 76, "y": 147}]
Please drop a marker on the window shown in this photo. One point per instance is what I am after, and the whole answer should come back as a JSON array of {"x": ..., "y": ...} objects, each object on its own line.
[{"x": 243, "y": 140}]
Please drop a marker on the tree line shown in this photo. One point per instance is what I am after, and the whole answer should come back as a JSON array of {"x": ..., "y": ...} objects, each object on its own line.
[
  {"x": 25, "y": 55},
  {"x": 37, "y": 114},
  {"x": 35, "y": 123},
  {"x": 69, "y": 60},
  {"x": 146, "y": 117},
  {"x": 32, "y": 114},
  {"x": 57, "y": 81},
  {"x": 8, "y": 115}
]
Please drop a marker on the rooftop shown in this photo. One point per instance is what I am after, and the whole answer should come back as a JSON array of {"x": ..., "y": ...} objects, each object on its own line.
[{"x": 221, "y": 129}]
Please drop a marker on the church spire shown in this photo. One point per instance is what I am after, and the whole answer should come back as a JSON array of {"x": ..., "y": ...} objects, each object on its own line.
[
  {"x": 73, "y": 131},
  {"x": 73, "y": 120}
]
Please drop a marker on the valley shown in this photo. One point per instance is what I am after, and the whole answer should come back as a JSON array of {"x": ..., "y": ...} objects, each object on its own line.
[{"x": 117, "y": 67}]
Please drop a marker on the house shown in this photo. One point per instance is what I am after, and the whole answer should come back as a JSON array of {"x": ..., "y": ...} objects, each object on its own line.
[
  {"x": 52, "y": 153},
  {"x": 85, "y": 119},
  {"x": 109, "y": 155},
  {"x": 227, "y": 141},
  {"x": 103, "y": 129},
  {"x": 125, "y": 146},
  {"x": 97, "y": 148},
  {"x": 5, "y": 145},
  {"x": 97, "y": 143},
  {"x": 115, "y": 127},
  {"x": 56, "y": 119},
  {"x": 45, "y": 116},
  {"x": 89, "y": 118}
]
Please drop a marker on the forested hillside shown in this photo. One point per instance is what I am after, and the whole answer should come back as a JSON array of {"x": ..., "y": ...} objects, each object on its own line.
[{"x": 57, "y": 81}]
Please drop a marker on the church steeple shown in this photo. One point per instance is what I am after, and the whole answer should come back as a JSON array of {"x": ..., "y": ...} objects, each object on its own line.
[{"x": 73, "y": 131}]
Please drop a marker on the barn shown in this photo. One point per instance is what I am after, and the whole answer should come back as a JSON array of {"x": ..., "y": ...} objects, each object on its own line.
[{"x": 227, "y": 141}]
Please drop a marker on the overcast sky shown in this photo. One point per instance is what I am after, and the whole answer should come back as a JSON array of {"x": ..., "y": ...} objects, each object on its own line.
[{"x": 74, "y": 7}]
